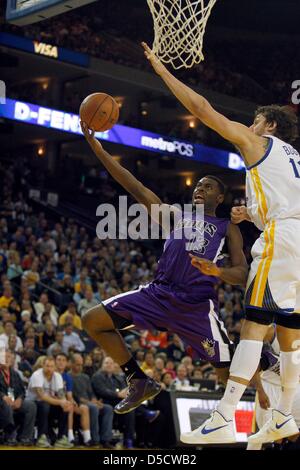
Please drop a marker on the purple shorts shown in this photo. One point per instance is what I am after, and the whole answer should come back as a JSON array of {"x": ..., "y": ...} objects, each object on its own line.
[{"x": 159, "y": 307}]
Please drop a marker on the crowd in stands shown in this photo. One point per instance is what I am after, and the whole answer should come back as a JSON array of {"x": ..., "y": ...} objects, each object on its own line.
[
  {"x": 56, "y": 385},
  {"x": 262, "y": 77}
]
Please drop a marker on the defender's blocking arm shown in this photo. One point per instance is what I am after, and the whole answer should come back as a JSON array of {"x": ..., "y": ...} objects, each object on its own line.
[{"x": 235, "y": 132}]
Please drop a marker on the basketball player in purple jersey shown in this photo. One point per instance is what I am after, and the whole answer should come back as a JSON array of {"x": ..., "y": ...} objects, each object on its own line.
[{"x": 180, "y": 299}]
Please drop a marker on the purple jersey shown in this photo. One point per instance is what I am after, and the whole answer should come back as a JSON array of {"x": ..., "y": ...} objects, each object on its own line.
[{"x": 175, "y": 269}]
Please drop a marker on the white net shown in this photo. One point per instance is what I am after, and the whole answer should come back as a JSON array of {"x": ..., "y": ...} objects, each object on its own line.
[{"x": 179, "y": 27}]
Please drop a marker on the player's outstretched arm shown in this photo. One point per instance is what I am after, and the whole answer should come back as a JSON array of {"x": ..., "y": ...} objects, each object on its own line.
[
  {"x": 126, "y": 179},
  {"x": 232, "y": 131}
]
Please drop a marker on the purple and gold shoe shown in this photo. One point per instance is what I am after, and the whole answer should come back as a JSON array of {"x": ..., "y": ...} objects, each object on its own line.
[{"x": 139, "y": 391}]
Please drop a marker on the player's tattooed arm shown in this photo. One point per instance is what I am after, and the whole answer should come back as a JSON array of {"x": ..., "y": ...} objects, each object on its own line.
[
  {"x": 41, "y": 395},
  {"x": 61, "y": 393}
]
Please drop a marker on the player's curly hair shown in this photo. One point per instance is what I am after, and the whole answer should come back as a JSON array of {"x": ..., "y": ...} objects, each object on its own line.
[{"x": 285, "y": 118}]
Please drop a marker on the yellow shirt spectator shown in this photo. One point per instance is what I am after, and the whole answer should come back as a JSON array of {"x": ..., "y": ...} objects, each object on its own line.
[
  {"x": 5, "y": 301},
  {"x": 70, "y": 312}
]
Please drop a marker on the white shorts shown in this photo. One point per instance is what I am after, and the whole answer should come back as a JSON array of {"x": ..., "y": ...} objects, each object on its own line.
[
  {"x": 273, "y": 392},
  {"x": 274, "y": 278}
]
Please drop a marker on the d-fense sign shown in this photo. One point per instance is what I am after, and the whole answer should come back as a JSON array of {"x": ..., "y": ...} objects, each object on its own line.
[{"x": 122, "y": 135}]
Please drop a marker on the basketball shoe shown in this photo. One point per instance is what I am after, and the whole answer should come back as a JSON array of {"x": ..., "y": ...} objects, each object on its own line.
[{"x": 215, "y": 430}]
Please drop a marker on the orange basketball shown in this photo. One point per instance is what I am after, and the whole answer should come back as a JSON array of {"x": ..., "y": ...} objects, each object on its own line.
[{"x": 99, "y": 111}]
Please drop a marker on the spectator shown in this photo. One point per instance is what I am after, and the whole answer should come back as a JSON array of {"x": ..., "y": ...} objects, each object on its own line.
[
  {"x": 148, "y": 361},
  {"x": 29, "y": 353},
  {"x": 66, "y": 289},
  {"x": 9, "y": 329},
  {"x": 139, "y": 356},
  {"x": 98, "y": 355},
  {"x": 14, "y": 267},
  {"x": 181, "y": 380},
  {"x": 56, "y": 347},
  {"x": 14, "y": 309},
  {"x": 175, "y": 350},
  {"x": 88, "y": 367},
  {"x": 47, "y": 390},
  {"x": 188, "y": 363},
  {"x": 197, "y": 374},
  {"x": 71, "y": 340},
  {"x": 227, "y": 310},
  {"x": 81, "y": 410},
  {"x": 12, "y": 342},
  {"x": 167, "y": 381},
  {"x": 101, "y": 415},
  {"x": 159, "y": 365},
  {"x": 112, "y": 388},
  {"x": 40, "y": 308},
  {"x": 88, "y": 302},
  {"x": 25, "y": 317},
  {"x": 170, "y": 368},
  {"x": 18, "y": 411},
  {"x": 154, "y": 338},
  {"x": 63, "y": 319},
  {"x": 32, "y": 275},
  {"x": 6, "y": 297},
  {"x": 46, "y": 243},
  {"x": 47, "y": 337}
]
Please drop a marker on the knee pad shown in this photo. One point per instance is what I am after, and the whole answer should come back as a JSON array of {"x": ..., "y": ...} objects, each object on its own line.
[{"x": 246, "y": 359}]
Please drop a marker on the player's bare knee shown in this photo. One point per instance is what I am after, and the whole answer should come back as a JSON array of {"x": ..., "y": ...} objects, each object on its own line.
[
  {"x": 253, "y": 331},
  {"x": 96, "y": 320},
  {"x": 90, "y": 319}
]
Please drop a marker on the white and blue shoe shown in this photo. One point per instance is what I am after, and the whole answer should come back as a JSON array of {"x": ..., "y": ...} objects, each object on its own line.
[
  {"x": 278, "y": 427},
  {"x": 215, "y": 430}
]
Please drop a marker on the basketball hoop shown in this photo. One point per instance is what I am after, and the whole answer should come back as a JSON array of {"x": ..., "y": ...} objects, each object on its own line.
[{"x": 179, "y": 27}]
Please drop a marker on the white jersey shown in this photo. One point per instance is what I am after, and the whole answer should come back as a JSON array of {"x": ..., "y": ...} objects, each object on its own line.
[
  {"x": 273, "y": 184},
  {"x": 273, "y": 203}
]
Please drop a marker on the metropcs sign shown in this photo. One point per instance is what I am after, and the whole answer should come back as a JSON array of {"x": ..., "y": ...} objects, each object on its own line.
[
  {"x": 183, "y": 148},
  {"x": 45, "y": 49}
]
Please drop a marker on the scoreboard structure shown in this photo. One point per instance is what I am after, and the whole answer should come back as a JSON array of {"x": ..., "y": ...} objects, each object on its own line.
[{"x": 23, "y": 12}]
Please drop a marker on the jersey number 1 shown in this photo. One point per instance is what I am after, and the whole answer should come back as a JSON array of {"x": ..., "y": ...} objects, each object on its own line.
[{"x": 296, "y": 170}]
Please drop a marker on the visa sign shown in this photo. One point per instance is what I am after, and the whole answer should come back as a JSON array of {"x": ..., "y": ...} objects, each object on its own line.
[{"x": 45, "y": 49}]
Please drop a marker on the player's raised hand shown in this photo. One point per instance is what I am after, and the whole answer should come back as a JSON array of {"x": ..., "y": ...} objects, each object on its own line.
[
  {"x": 205, "y": 266},
  {"x": 238, "y": 214},
  {"x": 155, "y": 62},
  {"x": 89, "y": 134}
]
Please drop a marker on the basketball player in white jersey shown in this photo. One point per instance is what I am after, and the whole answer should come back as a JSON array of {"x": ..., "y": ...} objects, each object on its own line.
[{"x": 273, "y": 288}]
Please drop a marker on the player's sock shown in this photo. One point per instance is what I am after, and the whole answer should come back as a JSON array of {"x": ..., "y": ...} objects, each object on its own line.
[
  {"x": 86, "y": 436},
  {"x": 233, "y": 393},
  {"x": 244, "y": 365},
  {"x": 70, "y": 435},
  {"x": 289, "y": 374},
  {"x": 132, "y": 370}
]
